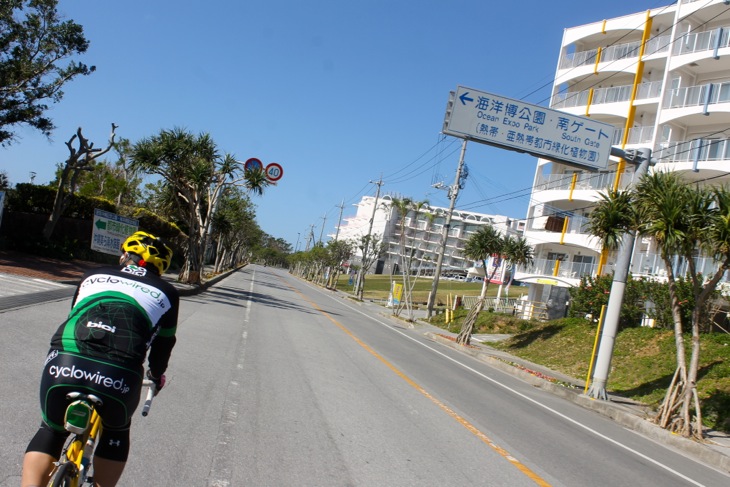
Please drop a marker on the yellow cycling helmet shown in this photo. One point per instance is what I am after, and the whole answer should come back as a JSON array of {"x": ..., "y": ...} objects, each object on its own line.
[{"x": 151, "y": 249}]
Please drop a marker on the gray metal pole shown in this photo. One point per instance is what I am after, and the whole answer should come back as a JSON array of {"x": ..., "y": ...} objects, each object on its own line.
[
  {"x": 597, "y": 389},
  {"x": 445, "y": 232}
]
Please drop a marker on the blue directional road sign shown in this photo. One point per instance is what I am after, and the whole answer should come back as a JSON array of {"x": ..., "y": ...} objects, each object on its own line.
[{"x": 515, "y": 125}]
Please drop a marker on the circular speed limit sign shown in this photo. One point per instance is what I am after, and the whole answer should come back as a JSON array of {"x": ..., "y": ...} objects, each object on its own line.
[{"x": 274, "y": 172}]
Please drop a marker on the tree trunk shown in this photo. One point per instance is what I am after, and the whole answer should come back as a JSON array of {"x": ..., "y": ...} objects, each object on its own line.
[
  {"x": 467, "y": 327},
  {"x": 464, "y": 336},
  {"x": 60, "y": 203},
  {"x": 674, "y": 412}
]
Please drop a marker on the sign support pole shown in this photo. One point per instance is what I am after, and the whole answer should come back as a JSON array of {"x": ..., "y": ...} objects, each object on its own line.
[{"x": 597, "y": 389}]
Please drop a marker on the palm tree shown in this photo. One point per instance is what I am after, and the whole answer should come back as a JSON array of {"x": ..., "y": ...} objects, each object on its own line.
[
  {"x": 517, "y": 252},
  {"x": 611, "y": 219},
  {"x": 480, "y": 246},
  {"x": 681, "y": 219},
  {"x": 198, "y": 175}
]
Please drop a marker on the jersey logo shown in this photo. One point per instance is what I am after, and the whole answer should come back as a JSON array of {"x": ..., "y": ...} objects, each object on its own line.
[
  {"x": 110, "y": 329},
  {"x": 51, "y": 356},
  {"x": 135, "y": 270}
]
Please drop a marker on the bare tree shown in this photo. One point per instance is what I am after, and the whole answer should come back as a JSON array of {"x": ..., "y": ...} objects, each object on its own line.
[{"x": 80, "y": 158}]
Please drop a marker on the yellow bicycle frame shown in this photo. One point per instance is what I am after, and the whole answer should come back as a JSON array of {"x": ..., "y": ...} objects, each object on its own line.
[{"x": 75, "y": 451}]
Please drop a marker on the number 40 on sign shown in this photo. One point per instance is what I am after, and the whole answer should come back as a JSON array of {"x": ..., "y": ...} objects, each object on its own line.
[{"x": 273, "y": 171}]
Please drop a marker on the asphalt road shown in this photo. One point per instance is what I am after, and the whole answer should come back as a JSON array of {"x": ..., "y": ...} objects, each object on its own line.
[{"x": 275, "y": 382}]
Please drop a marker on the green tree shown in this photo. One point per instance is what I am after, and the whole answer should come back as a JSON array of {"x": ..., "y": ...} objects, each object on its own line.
[
  {"x": 371, "y": 247},
  {"x": 611, "y": 219},
  {"x": 36, "y": 47},
  {"x": 480, "y": 246},
  {"x": 517, "y": 252},
  {"x": 197, "y": 175},
  {"x": 340, "y": 251},
  {"x": 685, "y": 221},
  {"x": 234, "y": 229},
  {"x": 406, "y": 250}
]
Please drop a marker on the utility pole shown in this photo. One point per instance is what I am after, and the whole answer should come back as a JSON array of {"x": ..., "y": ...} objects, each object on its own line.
[
  {"x": 597, "y": 390},
  {"x": 454, "y": 192},
  {"x": 321, "y": 232},
  {"x": 361, "y": 273},
  {"x": 339, "y": 222},
  {"x": 310, "y": 237}
]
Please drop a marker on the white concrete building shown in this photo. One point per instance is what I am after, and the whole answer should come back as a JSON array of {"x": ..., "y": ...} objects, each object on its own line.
[
  {"x": 662, "y": 78},
  {"x": 424, "y": 231}
]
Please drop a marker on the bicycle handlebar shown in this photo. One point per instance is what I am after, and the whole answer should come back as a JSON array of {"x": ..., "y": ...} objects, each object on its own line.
[{"x": 151, "y": 391}]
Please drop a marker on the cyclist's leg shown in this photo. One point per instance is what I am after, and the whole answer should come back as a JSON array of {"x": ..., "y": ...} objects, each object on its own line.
[
  {"x": 43, "y": 450},
  {"x": 112, "y": 448},
  {"x": 46, "y": 445},
  {"x": 37, "y": 468},
  {"x": 107, "y": 472}
]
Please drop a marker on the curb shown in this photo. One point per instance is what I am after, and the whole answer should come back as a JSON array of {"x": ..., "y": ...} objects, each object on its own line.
[
  {"x": 631, "y": 418},
  {"x": 191, "y": 290},
  {"x": 182, "y": 289}
]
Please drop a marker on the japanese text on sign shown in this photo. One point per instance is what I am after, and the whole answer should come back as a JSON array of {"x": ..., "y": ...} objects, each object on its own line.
[
  {"x": 109, "y": 231},
  {"x": 517, "y": 125}
]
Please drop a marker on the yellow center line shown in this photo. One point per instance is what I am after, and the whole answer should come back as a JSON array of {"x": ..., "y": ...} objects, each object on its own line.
[{"x": 466, "y": 424}]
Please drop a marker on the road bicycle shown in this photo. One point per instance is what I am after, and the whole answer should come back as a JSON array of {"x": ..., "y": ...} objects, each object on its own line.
[{"x": 74, "y": 468}]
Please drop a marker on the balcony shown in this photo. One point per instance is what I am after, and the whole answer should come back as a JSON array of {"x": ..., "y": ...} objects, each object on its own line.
[
  {"x": 652, "y": 265},
  {"x": 711, "y": 153},
  {"x": 599, "y": 181},
  {"x": 701, "y": 95},
  {"x": 569, "y": 272},
  {"x": 702, "y": 41},
  {"x": 628, "y": 50},
  {"x": 613, "y": 94}
]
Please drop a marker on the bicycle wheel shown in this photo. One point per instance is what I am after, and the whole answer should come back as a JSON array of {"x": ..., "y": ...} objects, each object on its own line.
[{"x": 64, "y": 475}]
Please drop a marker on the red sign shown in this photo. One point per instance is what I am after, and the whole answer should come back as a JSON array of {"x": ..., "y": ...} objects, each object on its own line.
[
  {"x": 252, "y": 164},
  {"x": 274, "y": 172}
]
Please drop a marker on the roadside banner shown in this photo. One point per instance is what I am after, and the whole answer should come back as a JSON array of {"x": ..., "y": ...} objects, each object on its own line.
[{"x": 109, "y": 231}]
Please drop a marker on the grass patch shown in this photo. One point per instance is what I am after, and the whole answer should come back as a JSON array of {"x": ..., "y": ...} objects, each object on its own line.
[
  {"x": 644, "y": 359},
  {"x": 377, "y": 288}
]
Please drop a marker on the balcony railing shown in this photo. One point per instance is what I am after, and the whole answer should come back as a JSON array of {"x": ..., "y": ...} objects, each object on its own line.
[
  {"x": 697, "y": 150},
  {"x": 590, "y": 181},
  {"x": 691, "y": 96},
  {"x": 702, "y": 41},
  {"x": 613, "y": 94},
  {"x": 637, "y": 135},
  {"x": 568, "y": 270},
  {"x": 649, "y": 265},
  {"x": 621, "y": 51}
]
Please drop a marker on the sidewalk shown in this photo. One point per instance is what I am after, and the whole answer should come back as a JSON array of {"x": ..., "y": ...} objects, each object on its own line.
[
  {"x": 66, "y": 271},
  {"x": 71, "y": 271}
]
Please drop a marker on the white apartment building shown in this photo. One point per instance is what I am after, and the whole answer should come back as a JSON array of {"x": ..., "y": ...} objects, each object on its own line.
[
  {"x": 424, "y": 230},
  {"x": 662, "y": 78}
]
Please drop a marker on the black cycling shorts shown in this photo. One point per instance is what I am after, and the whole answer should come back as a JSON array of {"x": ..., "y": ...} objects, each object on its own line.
[{"x": 117, "y": 386}]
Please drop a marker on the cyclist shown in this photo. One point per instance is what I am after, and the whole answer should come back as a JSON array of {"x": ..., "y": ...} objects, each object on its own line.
[{"x": 117, "y": 314}]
